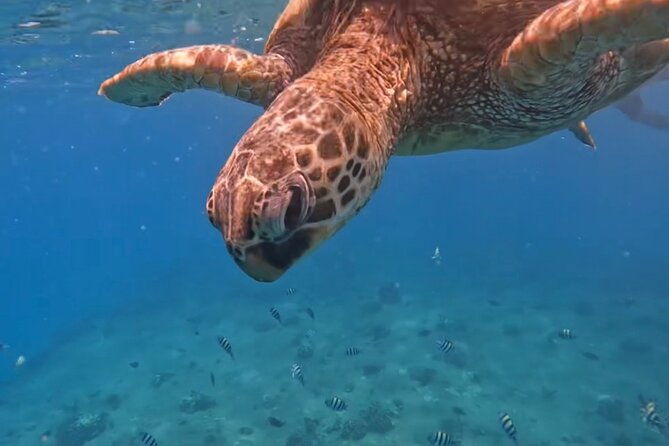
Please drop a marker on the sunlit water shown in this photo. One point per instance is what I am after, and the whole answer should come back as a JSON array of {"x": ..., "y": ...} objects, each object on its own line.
[{"x": 114, "y": 286}]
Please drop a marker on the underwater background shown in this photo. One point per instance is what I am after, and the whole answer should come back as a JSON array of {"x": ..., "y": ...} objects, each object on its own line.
[{"x": 114, "y": 287}]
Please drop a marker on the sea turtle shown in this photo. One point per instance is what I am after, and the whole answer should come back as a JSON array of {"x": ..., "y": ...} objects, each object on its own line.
[{"x": 347, "y": 83}]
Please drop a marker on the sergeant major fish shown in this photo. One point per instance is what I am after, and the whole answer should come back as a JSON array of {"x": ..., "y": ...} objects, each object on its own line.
[
  {"x": 336, "y": 404},
  {"x": 508, "y": 426},
  {"x": 441, "y": 438},
  {"x": 275, "y": 314},
  {"x": 296, "y": 373},
  {"x": 445, "y": 345},
  {"x": 147, "y": 439},
  {"x": 225, "y": 344}
]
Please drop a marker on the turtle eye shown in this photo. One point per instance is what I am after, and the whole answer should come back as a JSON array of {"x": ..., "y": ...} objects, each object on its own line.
[
  {"x": 284, "y": 208},
  {"x": 296, "y": 210},
  {"x": 283, "y": 212},
  {"x": 271, "y": 217}
]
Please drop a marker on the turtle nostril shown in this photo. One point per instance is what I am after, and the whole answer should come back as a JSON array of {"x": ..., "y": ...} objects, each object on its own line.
[
  {"x": 295, "y": 210},
  {"x": 211, "y": 212}
]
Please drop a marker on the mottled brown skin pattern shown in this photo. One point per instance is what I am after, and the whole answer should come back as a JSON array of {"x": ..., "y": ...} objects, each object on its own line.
[
  {"x": 359, "y": 80},
  {"x": 335, "y": 128},
  {"x": 221, "y": 68},
  {"x": 470, "y": 103}
]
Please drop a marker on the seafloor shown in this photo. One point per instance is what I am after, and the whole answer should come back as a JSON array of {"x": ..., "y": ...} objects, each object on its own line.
[{"x": 150, "y": 368}]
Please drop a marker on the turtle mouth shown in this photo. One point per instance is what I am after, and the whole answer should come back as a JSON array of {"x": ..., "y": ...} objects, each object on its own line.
[
  {"x": 267, "y": 261},
  {"x": 285, "y": 207}
]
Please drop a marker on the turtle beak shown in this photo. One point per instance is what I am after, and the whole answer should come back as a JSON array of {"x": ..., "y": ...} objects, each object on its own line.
[
  {"x": 267, "y": 261},
  {"x": 257, "y": 267}
]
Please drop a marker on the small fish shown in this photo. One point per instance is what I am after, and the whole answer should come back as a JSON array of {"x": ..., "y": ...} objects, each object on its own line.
[
  {"x": 225, "y": 344},
  {"x": 212, "y": 378},
  {"x": 4, "y": 347},
  {"x": 29, "y": 25},
  {"x": 134, "y": 364},
  {"x": 591, "y": 356},
  {"x": 437, "y": 256},
  {"x": 290, "y": 291},
  {"x": 336, "y": 404},
  {"x": 352, "y": 351},
  {"x": 105, "y": 32},
  {"x": 45, "y": 437},
  {"x": 310, "y": 312},
  {"x": 275, "y": 314},
  {"x": 147, "y": 439},
  {"x": 441, "y": 439},
  {"x": 566, "y": 333},
  {"x": 445, "y": 346},
  {"x": 296, "y": 373},
  {"x": 650, "y": 417},
  {"x": 649, "y": 414},
  {"x": 274, "y": 421},
  {"x": 20, "y": 361},
  {"x": 508, "y": 426}
]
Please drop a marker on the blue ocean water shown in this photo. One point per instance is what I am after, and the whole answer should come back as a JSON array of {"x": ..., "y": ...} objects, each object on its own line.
[{"x": 107, "y": 259}]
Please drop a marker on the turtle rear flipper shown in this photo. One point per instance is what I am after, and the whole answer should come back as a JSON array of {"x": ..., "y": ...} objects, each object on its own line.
[
  {"x": 580, "y": 54},
  {"x": 582, "y": 133},
  {"x": 222, "y": 68},
  {"x": 640, "y": 63}
]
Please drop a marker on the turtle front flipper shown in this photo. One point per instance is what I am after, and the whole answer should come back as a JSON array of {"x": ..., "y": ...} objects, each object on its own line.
[
  {"x": 222, "y": 68},
  {"x": 572, "y": 56}
]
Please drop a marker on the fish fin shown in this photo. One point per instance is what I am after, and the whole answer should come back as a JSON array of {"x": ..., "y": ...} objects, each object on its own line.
[{"x": 581, "y": 132}]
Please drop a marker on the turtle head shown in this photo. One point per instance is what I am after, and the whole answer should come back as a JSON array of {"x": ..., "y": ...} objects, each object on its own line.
[
  {"x": 295, "y": 178},
  {"x": 263, "y": 223}
]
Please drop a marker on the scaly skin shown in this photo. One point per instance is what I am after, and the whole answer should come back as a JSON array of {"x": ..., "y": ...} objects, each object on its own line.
[
  {"x": 348, "y": 83},
  {"x": 232, "y": 71},
  {"x": 329, "y": 134}
]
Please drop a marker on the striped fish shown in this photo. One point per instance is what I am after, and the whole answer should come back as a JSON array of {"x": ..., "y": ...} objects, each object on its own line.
[
  {"x": 445, "y": 346},
  {"x": 352, "y": 351},
  {"x": 336, "y": 404},
  {"x": 147, "y": 439},
  {"x": 507, "y": 425},
  {"x": 225, "y": 344},
  {"x": 566, "y": 333},
  {"x": 441, "y": 439},
  {"x": 296, "y": 373},
  {"x": 275, "y": 314},
  {"x": 290, "y": 291}
]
